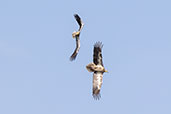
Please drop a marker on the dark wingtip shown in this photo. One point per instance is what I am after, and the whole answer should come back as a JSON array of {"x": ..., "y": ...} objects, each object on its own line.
[
  {"x": 73, "y": 57},
  {"x": 75, "y": 14},
  {"x": 98, "y": 45},
  {"x": 96, "y": 96}
]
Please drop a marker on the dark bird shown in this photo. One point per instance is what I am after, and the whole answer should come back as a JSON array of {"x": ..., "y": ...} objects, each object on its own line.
[
  {"x": 98, "y": 69},
  {"x": 76, "y": 35}
]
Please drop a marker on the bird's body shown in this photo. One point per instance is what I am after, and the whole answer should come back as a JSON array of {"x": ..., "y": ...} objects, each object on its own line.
[
  {"x": 92, "y": 67},
  {"x": 76, "y": 35},
  {"x": 98, "y": 69}
]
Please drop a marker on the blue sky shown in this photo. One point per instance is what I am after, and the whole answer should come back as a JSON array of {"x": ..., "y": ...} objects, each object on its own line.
[{"x": 36, "y": 76}]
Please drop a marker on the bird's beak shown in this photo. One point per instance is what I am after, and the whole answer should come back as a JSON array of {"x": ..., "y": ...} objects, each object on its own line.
[{"x": 106, "y": 71}]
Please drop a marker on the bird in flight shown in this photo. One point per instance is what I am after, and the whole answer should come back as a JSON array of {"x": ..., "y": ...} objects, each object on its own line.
[
  {"x": 98, "y": 69},
  {"x": 76, "y": 35}
]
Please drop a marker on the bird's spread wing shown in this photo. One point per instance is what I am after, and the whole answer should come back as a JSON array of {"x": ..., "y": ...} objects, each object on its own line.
[
  {"x": 73, "y": 56},
  {"x": 97, "y": 55},
  {"x": 97, "y": 83},
  {"x": 78, "y": 19}
]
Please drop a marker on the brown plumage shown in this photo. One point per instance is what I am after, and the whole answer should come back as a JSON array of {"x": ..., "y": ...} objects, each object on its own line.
[
  {"x": 98, "y": 69},
  {"x": 74, "y": 55},
  {"x": 76, "y": 35},
  {"x": 97, "y": 55},
  {"x": 79, "y": 21}
]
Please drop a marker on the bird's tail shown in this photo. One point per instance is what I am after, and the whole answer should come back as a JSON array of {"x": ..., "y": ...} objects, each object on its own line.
[{"x": 90, "y": 67}]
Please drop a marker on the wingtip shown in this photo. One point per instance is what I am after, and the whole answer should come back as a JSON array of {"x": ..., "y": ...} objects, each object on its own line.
[
  {"x": 73, "y": 56},
  {"x": 97, "y": 96},
  {"x": 98, "y": 44},
  {"x": 75, "y": 14}
]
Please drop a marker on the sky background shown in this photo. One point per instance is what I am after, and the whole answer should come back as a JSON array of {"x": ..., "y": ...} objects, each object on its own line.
[{"x": 36, "y": 76}]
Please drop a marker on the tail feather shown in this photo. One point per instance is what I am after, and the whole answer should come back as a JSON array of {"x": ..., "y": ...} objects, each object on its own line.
[{"x": 90, "y": 67}]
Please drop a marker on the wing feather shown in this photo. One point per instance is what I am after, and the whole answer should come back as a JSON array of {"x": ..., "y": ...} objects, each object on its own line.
[
  {"x": 74, "y": 55},
  {"x": 97, "y": 56},
  {"x": 97, "y": 83},
  {"x": 78, "y": 19}
]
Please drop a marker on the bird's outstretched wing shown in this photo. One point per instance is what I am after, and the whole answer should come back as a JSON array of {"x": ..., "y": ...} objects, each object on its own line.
[
  {"x": 73, "y": 56},
  {"x": 97, "y": 55},
  {"x": 97, "y": 83},
  {"x": 79, "y": 21}
]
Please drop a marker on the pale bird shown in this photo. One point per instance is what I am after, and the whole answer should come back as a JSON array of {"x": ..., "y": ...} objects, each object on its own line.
[{"x": 98, "y": 69}]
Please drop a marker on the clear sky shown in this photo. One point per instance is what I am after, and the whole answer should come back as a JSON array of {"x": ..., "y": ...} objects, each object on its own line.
[{"x": 36, "y": 76}]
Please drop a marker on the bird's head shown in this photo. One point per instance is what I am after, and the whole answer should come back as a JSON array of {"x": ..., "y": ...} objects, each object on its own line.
[{"x": 74, "y": 34}]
